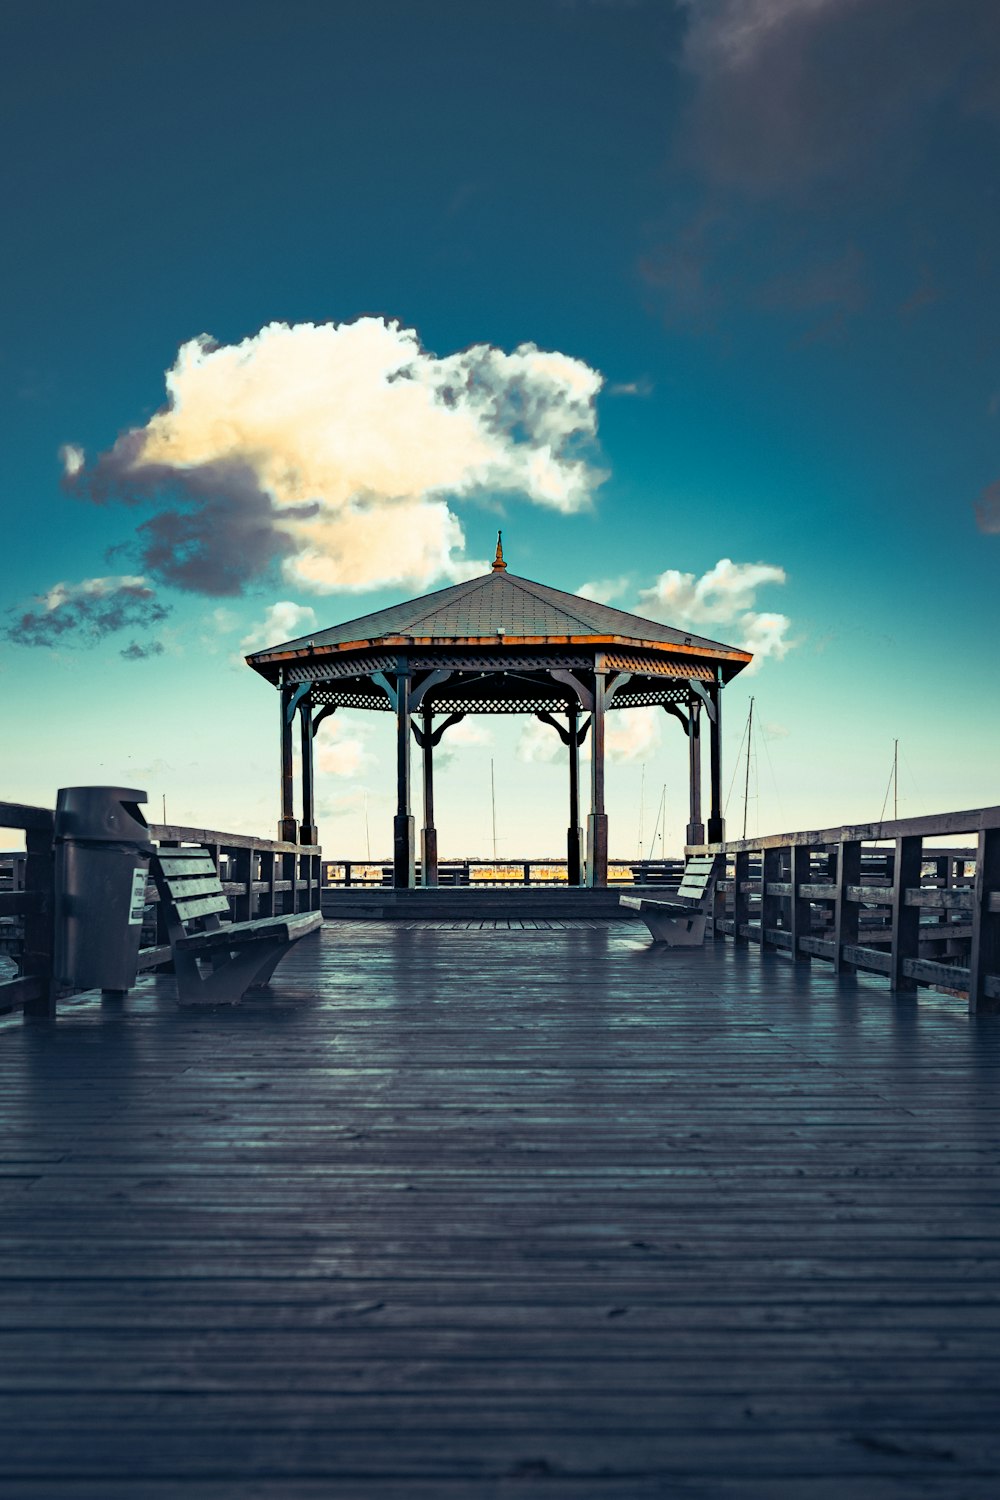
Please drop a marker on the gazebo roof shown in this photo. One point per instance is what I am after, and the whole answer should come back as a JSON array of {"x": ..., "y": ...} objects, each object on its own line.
[{"x": 497, "y": 608}]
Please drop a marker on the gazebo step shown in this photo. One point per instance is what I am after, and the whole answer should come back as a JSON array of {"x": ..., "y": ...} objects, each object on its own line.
[{"x": 462, "y": 903}]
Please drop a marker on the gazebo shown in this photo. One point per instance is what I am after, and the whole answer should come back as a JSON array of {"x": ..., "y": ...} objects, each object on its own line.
[{"x": 500, "y": 644}]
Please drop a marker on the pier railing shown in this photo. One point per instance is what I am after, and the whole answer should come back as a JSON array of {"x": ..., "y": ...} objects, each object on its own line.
[
  {"x": 26, "y": 908},
  {"x": 876, "y": 897},
  {"x": 261, "y": 877},
  {"x": 340, "y": 873}
]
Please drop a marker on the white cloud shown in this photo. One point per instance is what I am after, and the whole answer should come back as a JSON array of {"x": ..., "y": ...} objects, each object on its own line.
[
  {"x": 72, "y": 458},
  {"x": 632, "y": 733},
  {"x": 643, "y": 387},
  {"x": 603, "y": 590},
  {"x": 341, "y": 448},
  {"x": 467, "y": 734},
  {"x": 340, "y": 746},
  {"x": 629, "y": 735},
  {"x": 765, "y": 635},
  {"x": 717, "y": 597},
  {"x": 223, "y": 620},
  {"x": 724, "y": 596},
  {"x": 538, "y": 743},
  {"x": 347, "y": 802},
  {"x": 284, "y": 621}
]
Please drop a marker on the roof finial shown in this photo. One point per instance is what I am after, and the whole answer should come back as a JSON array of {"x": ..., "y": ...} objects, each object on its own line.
[{"x": 499, "y": 566}]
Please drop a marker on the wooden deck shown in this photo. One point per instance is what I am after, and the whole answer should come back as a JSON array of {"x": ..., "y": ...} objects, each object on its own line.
[{"x": 531, "y": 1212}]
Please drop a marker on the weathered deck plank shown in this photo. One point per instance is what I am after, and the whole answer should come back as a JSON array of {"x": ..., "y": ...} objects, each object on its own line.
[{"x": 469, "y": 1211}]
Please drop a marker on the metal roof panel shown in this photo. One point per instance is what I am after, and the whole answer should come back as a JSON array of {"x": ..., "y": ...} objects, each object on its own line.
[{"x": 496, "y": 603}]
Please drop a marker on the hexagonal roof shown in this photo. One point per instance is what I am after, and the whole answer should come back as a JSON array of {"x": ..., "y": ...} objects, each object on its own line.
[{"x": 497, "y": 606}]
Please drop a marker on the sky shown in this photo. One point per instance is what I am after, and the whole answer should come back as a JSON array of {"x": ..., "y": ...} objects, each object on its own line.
[{"x": 301, "y": 302}]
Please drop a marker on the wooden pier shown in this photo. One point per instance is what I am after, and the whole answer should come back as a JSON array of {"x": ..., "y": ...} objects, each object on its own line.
[
  {"x": 479, "y": 1204},
  {"x": 468, "y": 1212}
]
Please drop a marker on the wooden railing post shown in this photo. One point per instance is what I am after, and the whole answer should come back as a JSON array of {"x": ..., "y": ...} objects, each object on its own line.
[
  {"x": 985, "y": 955},
  {"x": 39, "y": 874},
  {"x": 243, "y": 863},
  {"x": 800, "y": 911},
  {"x": 741, "y": 898},
  {"x": 268, "y": 875},
  {"x": 905, "y": 919},
  {"x": 846, "y": 911},
  {"x": 770, "y": 906},
  {"x": 719, "y": 909}
]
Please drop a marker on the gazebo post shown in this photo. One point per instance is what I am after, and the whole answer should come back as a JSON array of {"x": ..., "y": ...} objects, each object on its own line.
[
  {"x": 716, "y": 822},
  {"x": 573, "y": 840},
  {"x": 695, "y": 828},
  {"x": 403, "y": 853},
  {"x": 307, "y": 833},
  {"x": 597, "y": 822},
  {"x": 428, "y": 835},
  {"x": 287, "y": 827}
]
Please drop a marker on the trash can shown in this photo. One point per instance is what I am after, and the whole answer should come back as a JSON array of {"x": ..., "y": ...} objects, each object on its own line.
[{"x": 102, "y": 853}]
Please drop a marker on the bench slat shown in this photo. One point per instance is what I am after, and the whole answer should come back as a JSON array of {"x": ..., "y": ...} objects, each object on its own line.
[
  {"x": 235, "y": 933},
  {"x": 202, "y": 906},
  {"x": 194, "y": 885},
  {"x": 188, "y": 863}
]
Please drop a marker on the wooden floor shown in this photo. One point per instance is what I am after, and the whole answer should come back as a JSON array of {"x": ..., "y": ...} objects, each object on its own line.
[{"x": 463, "y": 1212}]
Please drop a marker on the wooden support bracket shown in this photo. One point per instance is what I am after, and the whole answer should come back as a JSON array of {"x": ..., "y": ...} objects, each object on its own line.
[
  {"x": 570, "y": 680},
  {"x": 324, "y": 713},
  {"x": 295, "y": 698},
  {"x": 700, "y": 691}
]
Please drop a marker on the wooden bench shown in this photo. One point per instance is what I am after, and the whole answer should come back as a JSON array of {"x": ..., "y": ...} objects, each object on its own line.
[
  {"x": 680, "y": 919},
  {"x": 240, "y": 955}
]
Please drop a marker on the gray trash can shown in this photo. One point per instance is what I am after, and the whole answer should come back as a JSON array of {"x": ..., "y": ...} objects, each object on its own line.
[{"x": 102, "y": 852}]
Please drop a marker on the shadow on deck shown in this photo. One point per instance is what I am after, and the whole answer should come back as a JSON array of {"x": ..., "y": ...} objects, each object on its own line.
[{"x": 498, "y": 1214}]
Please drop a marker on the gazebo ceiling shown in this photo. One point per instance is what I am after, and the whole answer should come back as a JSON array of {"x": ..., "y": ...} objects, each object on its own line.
[{"x": 500, "y": 636}]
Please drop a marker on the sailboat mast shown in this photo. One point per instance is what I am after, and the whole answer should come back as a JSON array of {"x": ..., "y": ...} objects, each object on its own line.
[
  {"x": 746, "y": 784},
  {"x": 493, "y": 799}
]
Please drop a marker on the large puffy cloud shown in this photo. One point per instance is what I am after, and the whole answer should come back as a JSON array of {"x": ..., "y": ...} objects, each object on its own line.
[
  {"x": 339, "y": 449},
  {"x": 86, "y": 612},
  {"x": 725, "y": 596}
]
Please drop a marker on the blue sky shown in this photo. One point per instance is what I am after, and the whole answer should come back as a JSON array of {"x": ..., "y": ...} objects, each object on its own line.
[{"x": 752, "y": 246}]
